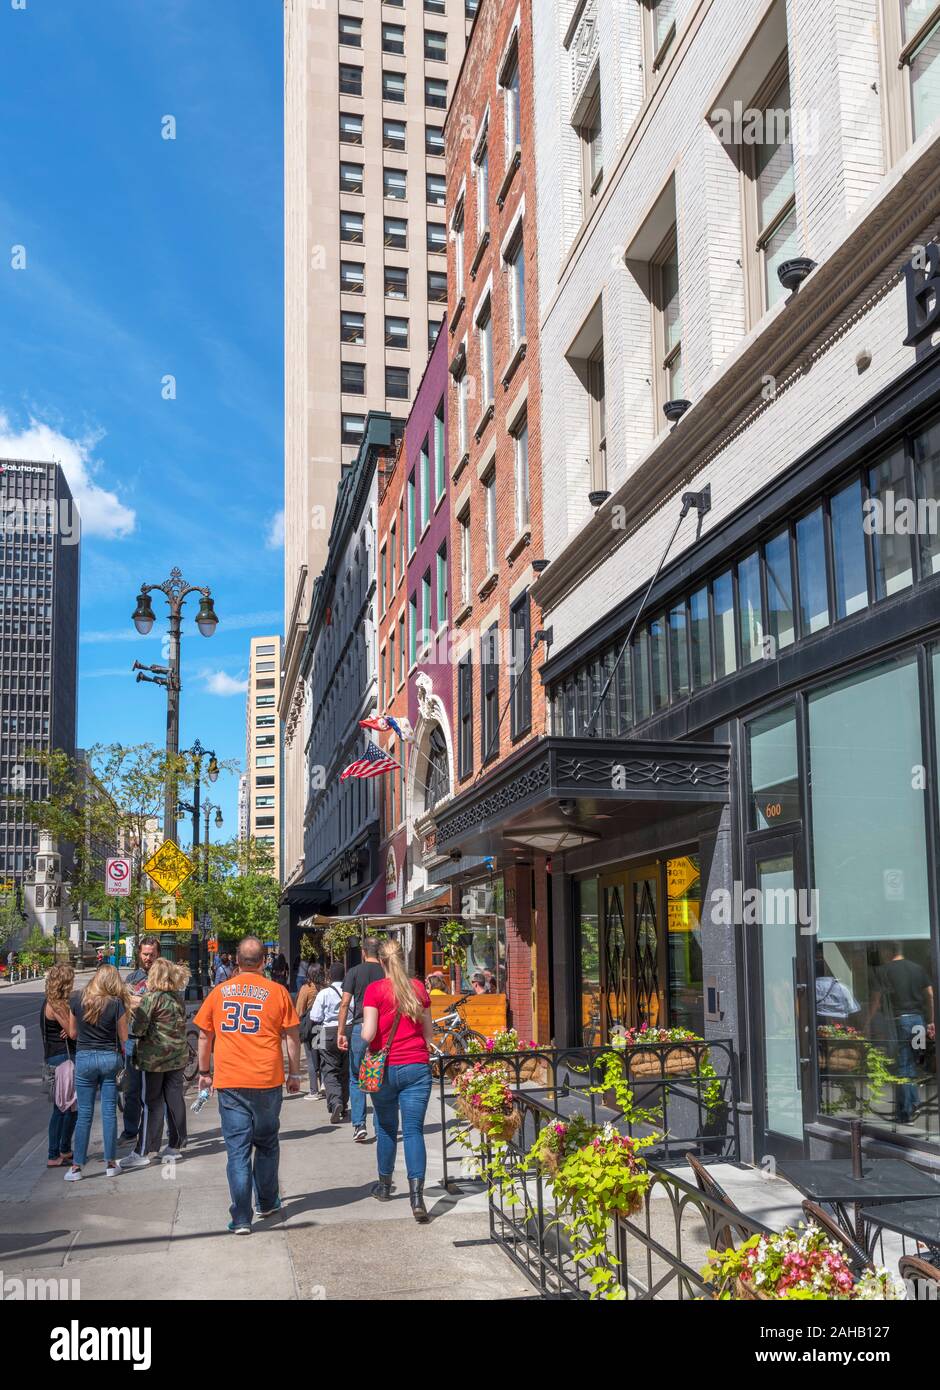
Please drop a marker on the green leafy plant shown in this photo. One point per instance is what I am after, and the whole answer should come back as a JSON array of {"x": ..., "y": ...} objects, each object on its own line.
[
  {"x": 450, "y": 937},
  {"x": 339, "y": 937},
  {"x": 874, "y": 1065},
  {"x": 502, "y": 1041},
  {"x": 485, "y": 1102},
  {"x": 702, "y": 1065},
  {"x": 795, "y": 1265},
  {"x": 308, "y": 950}
]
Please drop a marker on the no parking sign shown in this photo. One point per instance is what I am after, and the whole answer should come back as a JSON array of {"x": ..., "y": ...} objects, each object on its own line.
[{"x": 117, "y": 878}]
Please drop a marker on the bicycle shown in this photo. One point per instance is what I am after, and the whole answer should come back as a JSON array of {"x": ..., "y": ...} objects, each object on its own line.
[{"x": 453, "y": 1035}]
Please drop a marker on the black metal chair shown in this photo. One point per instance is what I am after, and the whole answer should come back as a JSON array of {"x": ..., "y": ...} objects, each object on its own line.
[
  {"x": 720, "y": 1226},
  {"x": 920, "y": 1275},
  {"x": 856, "y": 1256}
]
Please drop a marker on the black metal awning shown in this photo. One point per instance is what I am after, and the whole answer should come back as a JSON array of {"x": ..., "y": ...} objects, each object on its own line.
[{"x": 557, "y": 793}]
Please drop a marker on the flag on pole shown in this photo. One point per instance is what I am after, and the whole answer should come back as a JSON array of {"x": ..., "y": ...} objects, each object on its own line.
[
  {"x": 386, "y": 724},
  {"x": 372, "y": 764}
]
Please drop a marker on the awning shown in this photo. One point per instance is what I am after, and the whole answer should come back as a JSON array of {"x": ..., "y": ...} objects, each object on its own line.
[{"x": 374, "y": 900}]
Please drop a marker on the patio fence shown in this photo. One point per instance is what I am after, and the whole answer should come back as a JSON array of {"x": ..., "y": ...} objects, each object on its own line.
[{"x": 662, "y": 1248}]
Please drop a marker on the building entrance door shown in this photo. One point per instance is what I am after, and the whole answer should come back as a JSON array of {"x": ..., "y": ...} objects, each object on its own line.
[
  {"x": 633, "y": 947},
  {"x": 781, "y": 961}
]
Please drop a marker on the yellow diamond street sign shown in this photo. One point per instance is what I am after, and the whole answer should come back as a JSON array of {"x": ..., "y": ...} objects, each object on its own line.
[
  {"x": 169, "y": 866},
  {"x": 166, "y": 916}
]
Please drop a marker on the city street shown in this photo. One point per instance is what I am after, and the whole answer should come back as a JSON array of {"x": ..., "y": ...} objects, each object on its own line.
[{"x": 161, "y": 1232}]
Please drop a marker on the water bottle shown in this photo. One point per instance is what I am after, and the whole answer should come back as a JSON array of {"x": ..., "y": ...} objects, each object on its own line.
[{"x": 200, "y": 1100}]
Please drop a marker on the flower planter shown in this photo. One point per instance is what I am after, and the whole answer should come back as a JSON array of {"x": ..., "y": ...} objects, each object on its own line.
[
  {"x": 746, "y": 1293},
  {"x": 678, "y": 1061},
  {"x": 488, "y": 1122},
  {"x": 843, "y": 1057}
]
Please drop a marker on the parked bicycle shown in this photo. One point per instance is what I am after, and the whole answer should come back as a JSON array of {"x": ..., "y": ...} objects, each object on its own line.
[{"x": 452, "y": 1033}]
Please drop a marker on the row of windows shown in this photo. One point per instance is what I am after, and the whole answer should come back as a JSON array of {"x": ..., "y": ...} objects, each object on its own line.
[
  {"x": 393, "y": 38},
  {"x": 352, "y": 328},
  {"x": 352, "y": 280},
  {"x": 394, "y": 184},
  {"x": 519, "y": 657},
  {"x": 352, "y": 230},
  {"x": 353, "y": 381},
  {"x": 873, "y": 537},
  {"x": 394, "y": 134},
  {"x": 428, "y": 612},
  {"x": 393, "y": 86},
  {"x": 424, "y": 490},
  {"x": 520, "y": 513}
]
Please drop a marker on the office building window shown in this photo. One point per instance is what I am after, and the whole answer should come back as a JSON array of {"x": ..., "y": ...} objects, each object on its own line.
[
  {"x": 395, "y": 184},
  {"x": 437, "y": 238},
  {"x": 396, "y": 282},
  {"x": 353, "y": 378},
  {"x": 396, "y": 332},
  {"x": 353, "y": 428},
  {"x": 352, "y": 328},
  {"x": 434, "y": 328},
  {"x": 397, "y": 383},
  {"x": 434, "y": 141},
  {"x": 350, "y": 177},
  {"x": 436, "y": 190},
  {"x": 393, "y": 38},
  {"x": 350, "y": 128},
  {"x": 351, "y": 226},
  {"x": 350, "y": 80},
  {"x": 770, "y": 202},
  {"x": 437, "y": 286},
  {"x": 396, "y": 233},
  {"x": 394, "y": 135},
  {"x": 435, "y": 93},
  {"x": 352, "y": 277},
  {"x": 668, "y": 321},
  {"x": 350, "y": 31},
  {"x": 393, "y": 86},
  {"x": 435, "y": 46},
  {"x": 591, "y": 135}
]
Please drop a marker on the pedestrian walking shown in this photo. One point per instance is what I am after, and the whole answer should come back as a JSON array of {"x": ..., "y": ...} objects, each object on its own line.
[
  {"x": 396, "y": 1018},
  {"x": 280, "y": 970},
  {"x": 98, "y": 1027},
  {"x": 298, "y": 974},
  {"x": 309, "y": 990},
  {"x": 158, "y": 1024},
  {"x": 58, "y": 1050},
  {"x": 223, "y": 969},
  {"x": 349, "y": 1029},
  {"x": 241, "y": 1025},
  {"x": 148, "y": 951},
  {"x": 334, "y": 1063}
]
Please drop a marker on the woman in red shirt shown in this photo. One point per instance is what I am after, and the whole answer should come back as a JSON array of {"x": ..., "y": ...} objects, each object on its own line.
[{"x": 403, "y": 1005}]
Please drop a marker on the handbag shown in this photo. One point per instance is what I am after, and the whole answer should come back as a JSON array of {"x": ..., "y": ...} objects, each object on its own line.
[{"x": 372, "y": 1067}]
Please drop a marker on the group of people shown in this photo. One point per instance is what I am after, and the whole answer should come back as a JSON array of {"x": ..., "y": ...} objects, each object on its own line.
[
  {"x": 132, "y": 1033},
  {"x": 116, "y": 1033}
]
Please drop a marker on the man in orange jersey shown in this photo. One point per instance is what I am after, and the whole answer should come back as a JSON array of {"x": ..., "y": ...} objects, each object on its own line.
[{"x": 241, "y": 1025}]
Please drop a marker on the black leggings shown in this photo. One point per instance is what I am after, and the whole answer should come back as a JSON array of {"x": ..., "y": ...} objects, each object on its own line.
[{"x": 162, "y": 1090}]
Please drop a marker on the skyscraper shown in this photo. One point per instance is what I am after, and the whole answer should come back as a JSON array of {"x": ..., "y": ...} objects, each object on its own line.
[
  {"x": 260, "y": 803},
  {"x": 39, "y": 576},
  {"x": 365, "y": 96}
]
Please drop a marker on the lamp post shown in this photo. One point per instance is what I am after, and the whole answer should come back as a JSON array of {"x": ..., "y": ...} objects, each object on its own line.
[
  {"x": 197, "y": 753},
  {"x": 204, "y": 933},
  {"x": 176, "y": 590}
]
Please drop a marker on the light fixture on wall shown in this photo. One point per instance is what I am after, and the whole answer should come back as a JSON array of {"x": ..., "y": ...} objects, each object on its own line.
[
  {"x": 674, "y": 410},
  {"x": 792, "y": 273},
  {"x": 540, "y": 566},
  {"x": 597, "y": 499},
  {"x": 553, "y": 839}
]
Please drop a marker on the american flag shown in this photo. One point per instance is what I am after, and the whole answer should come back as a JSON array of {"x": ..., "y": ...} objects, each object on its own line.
[
  {"x": 372, "y": 764},
  {"x": 385, "y": 724}
]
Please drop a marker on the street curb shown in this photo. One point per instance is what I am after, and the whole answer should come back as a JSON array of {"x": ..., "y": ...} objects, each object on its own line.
[{"x": 37, "y": 979}]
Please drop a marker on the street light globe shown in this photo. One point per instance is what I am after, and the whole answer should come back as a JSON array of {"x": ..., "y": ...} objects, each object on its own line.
[
  {"x": 206, "y": 619},
  {"x": 212, "y": 771},
  {"x": 218, "y": 819},
  {"x": 143, "y": 615}
]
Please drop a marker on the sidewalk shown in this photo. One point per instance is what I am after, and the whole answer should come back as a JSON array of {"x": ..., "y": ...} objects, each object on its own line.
[{"x": 160, "y": 1232}]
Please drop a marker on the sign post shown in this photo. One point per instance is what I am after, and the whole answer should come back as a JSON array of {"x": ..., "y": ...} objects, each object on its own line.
[{"x": 117, "y": 884}]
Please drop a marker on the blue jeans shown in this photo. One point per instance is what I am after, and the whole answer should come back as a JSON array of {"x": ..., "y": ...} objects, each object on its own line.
[
  {"x": 406, "y": 1089},
  {"x": 61, "y": 1123},
  {"x": 905, "y": 1096},
  {"x": 250, "y": 1120},
  {"x": 94, "y": 1070},
  {"x": 357, "y": 1098}
]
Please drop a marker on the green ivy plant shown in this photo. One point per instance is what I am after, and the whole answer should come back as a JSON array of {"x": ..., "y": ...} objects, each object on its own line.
[
  {"x": 449, "y": 936},
  {"x": 339, "y": 937},
  {"x": 878, "y": 1073}
]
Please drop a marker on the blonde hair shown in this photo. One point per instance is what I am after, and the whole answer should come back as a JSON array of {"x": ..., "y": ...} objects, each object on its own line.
[
  {"x": 106, "y": 984},
  {"x": 393, "y": 962},
  {"x": 165, "y": 975},
  {"x": 59, "y": 984}
]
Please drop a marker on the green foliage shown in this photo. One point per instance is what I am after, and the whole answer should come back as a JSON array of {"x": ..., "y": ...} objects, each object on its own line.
[
  {"x": 449, "y": 935},
  {"x": 37, "y": 951},
  {"x": 308, "y": 949},
  {"x": 11, "y": 918},
  {"x": 241, "y": 895},
  {"x": 339, "y": 937}
]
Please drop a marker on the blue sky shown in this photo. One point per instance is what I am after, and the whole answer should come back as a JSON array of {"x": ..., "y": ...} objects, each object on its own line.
[{"x": 148, "y": 258}]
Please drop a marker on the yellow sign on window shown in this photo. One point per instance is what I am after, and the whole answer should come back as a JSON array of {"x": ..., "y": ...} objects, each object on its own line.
[{"x": 680, "y": 875}]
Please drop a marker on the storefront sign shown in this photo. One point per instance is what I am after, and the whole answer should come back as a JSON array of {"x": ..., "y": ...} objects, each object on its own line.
[
  {"x": 922, "y": 274},
  {"x": 680, "y": 875}
]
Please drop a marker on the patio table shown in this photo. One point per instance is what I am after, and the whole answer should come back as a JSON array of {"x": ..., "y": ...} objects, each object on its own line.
[
  {"x": 883, "y": 1180},
  {"x": 919, "y": 1219}
]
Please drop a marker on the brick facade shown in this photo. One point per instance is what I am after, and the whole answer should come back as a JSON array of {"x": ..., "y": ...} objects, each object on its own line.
[{"x": 497, "y": 210}]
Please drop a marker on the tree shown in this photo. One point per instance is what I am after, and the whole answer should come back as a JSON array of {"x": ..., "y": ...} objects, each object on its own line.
[
  {"x": 101, "y": 805},
  {"x": 242, "y": 893}
]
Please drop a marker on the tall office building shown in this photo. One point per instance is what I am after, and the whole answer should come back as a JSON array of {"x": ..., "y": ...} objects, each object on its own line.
[
  {"x": 39, "y": 575},
  {"x": 365, "y": 96},
  {"x": 260, "y": 802}
]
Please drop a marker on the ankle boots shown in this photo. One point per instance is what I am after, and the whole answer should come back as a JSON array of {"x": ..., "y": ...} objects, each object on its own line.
[
  {"x": 416, "y": 1192},
  {"x": 382, "y": 1192}
]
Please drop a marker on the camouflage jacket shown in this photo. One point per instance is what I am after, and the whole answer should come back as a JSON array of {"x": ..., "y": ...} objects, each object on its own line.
[{"x": 159, "y": 1025}]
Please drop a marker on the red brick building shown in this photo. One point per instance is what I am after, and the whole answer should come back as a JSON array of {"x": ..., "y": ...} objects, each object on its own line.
[{"x": 495, "y": 496}]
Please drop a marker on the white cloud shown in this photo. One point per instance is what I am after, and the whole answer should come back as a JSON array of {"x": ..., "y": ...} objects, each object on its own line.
[
  {"x": 102, "y": 512},
  {"x": 275, "y": 536},
  {"x": 221, "y": 683}
]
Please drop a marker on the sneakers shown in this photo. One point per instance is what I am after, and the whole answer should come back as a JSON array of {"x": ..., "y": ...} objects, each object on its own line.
[
  {"x": 269, "y": 1211},
  {"x": 312, "y": 1095},
  {"x": 126, "y": 1139},
  {"x": 239, "y": 1230},
  {"x": 111, "y": 1170},
  {"x": 74, "y": 1175},
  {"x": 167, "y": 1152},
  {"x": 361, "y": 1134},
  {"x": 336, "y": 1115},
  {"x": 133, "y": 1160}
]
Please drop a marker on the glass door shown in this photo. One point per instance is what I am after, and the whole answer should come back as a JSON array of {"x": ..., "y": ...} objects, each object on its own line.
[
  {"x": 781, "y": 934},
  {"x": 633, "y": 948}
]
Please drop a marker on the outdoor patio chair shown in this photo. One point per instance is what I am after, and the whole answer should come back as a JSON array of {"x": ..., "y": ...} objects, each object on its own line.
[
  {"x": 723, "y": 1232},
  {"x": 920, "y": 1275},
  {"x": 854, "y": 1253}
]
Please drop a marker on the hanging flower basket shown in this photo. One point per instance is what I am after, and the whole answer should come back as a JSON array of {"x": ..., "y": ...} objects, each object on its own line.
[
  {"x": 493, "y": 1125},
  {"x": 661, "y": 1059},
  {"x": 606, "y": 1175},
  {"x": 678, "y": 1061},
  {"x": 484, "y": 1099},
  {"x": 841, "y": 1049},
  {"x": 504, "y": 1042},
  {"x": 795, "y": 1264}
]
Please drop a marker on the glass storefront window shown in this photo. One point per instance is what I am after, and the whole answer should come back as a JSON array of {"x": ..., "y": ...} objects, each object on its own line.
[
  {"x": 750, "y": 621},
  {"x": 684, "y": 916},
  {"x": 660, "y": 660},
  {"x": 891, "y": 542},
  {"x": 811, "y": 562},
  {"x": 723, "y": 596},
  {"x": 678, "y": 653},
  {"x": 848, "y": 550},
  {"x": 641, "y": 676},
  {"x": 589, "y": 960},
  {"x": 624, "y": 693},
  {"x": 701, "y": 639},
  {"x": 485, "y": 916},
  {"x": 774, "y": 769},
  {"x": 780, "y": 621},
  {"x": 873, "y": 960},
  {"x": 927, "y": 481}
]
